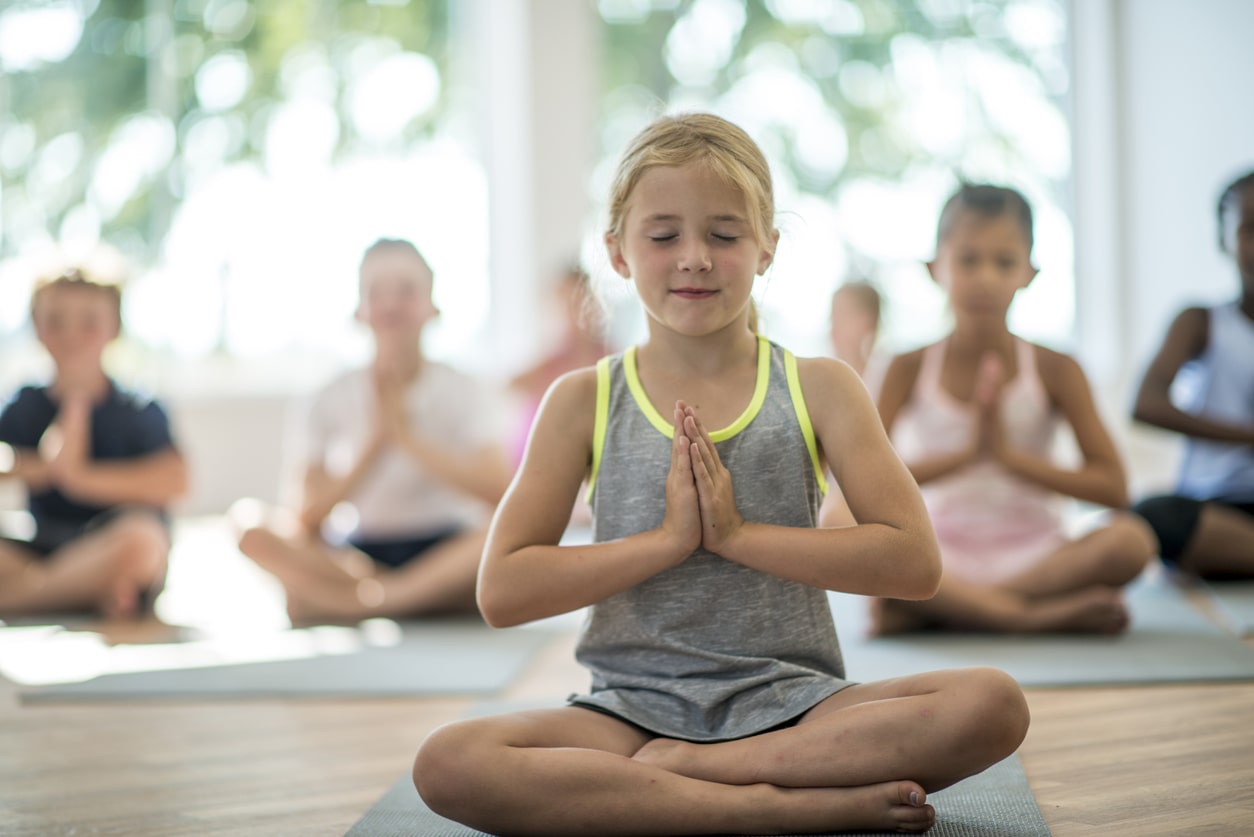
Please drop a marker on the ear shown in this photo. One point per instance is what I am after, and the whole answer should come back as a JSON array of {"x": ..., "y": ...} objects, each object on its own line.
[
  {"x": 614, "y": 249},
  {"x": 1031, "y": 274},
  {"x": 931, "y": 271},
  {"x": 767, "y": 257}
]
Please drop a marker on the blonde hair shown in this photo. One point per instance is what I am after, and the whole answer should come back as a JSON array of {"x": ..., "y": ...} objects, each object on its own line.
[
  {"x": 710, "y": 140},
  {"x": 77, "y": 278}
]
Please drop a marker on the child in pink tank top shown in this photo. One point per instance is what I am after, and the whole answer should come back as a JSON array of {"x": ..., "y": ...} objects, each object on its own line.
[{"x": 974, "y": 417}]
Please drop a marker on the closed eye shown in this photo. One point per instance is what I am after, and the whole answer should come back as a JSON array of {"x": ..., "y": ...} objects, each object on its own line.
[{"x": 727, "y": 238}]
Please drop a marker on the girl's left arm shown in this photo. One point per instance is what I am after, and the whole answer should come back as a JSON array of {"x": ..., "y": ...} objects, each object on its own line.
[
  {"x": 1100, "y": 478},
  {"x": 891, "y": 551}
]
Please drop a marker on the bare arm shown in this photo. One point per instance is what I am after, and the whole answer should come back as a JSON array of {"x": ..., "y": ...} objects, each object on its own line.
[
  {"x": 525, "y": 574},
  {"x": 1186, "y": 339},
  {"x": 891, "y": 551},
  {"x": 1100, "y": 478},
  {"x": 895, "y": 392},
  {"x": 156, "y": 479},
  {"x": 483, "y": 473},
  {"x": 321, "y": 491}
]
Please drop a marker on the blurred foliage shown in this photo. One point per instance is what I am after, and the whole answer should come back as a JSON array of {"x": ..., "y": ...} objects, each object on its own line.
[
  {"x": 825, "y": 41},
  {"x": 136, "y": 59}
]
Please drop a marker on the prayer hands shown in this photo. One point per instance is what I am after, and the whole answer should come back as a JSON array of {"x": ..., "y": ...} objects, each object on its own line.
[
  {"x": 699, "y": 492},
  {"x": 990, "y": 379},
  {"x": 392, "y": 423},
  {"x": 65, "y": 446}
]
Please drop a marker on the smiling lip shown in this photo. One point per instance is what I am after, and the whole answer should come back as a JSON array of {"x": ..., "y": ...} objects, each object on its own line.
[{"x": 693, "y": 293}]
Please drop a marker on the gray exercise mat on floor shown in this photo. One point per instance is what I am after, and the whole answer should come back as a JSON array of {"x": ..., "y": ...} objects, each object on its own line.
[
  {"x": 1169, "y": 640},
  {"x": 995, "y": 803},
  {"x": 1235, "y": 600},
  {"x": 424, "y": 658}
]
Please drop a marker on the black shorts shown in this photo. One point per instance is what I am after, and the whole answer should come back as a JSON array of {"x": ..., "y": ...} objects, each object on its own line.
[
  {"x": 1174, "y": 520},
  {"x": 397, "y": 552}
]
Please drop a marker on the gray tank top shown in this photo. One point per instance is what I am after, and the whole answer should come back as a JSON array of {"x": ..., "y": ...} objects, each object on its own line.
[{"x": 709, "y": 650}]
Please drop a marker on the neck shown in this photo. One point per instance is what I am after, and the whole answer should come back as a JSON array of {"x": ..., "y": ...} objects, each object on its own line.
[
  {"x": 87, "y": 381},
  {"x": 981, "y": 337},
  {"x": 706, "y": 356},
  {"x": 401, "y": 359}
]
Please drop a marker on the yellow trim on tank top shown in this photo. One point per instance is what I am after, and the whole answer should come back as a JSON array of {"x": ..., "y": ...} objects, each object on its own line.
[
  {"x": 599, "y": 422},
  {"x": 667, "y": 429},
  {"x": 803, "y": 417}
]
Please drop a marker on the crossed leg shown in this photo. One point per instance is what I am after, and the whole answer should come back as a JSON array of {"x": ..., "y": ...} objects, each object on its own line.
[
  {"x": 327, "y": 584},
  {"x": 108, "y": 569},
  {"x": 1222, "y": 546},
  {"x": 864, "y": 759},
  {"x": 1076, "y": 588}
]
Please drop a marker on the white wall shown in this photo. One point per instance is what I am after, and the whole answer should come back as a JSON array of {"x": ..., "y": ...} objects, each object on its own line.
[{"x": 1163, "y": 118}]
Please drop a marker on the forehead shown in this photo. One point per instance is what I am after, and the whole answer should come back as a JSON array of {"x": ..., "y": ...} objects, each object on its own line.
[
  {"x": 76, "y": 298},
  {"x": 971, "y": 228},
  {"x": 692, "y": 188},
  {"x": 394, "y": 266}
]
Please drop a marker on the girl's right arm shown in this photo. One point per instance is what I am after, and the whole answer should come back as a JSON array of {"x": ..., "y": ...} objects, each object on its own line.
[
  {"x": 1186, "y": 339},
  {"x": 321, "y": 490},
  {"x": 525, "y": 575},
  {"x": 895, "y": 392}
]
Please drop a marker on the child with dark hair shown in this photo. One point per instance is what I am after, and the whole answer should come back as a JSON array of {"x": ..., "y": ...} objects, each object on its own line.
[
  {"x": 974, "y": 416},
  {"x": 98, "y": 463},
  {"x": 1206, "y": 526}
]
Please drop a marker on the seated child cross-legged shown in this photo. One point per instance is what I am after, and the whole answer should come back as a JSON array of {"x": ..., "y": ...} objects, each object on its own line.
[
  {"x": 974, "y": 416},
  {"x": 1206, "y": 526},
  {"x": 719, "y": 702},
  {"x": 99, "y": 465},
  {"x": 413, "y": 445}
]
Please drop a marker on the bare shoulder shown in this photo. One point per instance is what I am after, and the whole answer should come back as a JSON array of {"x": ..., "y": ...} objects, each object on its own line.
[
  {"x": 906, "y": 365},
  {"x": 1055, "y": 365},
  {"x": 572, "y": 397},
  {"x": 1063, "y": 377}
]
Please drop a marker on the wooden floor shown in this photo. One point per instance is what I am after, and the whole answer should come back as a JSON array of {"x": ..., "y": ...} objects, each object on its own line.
[{"x": 1158, "y": 760}]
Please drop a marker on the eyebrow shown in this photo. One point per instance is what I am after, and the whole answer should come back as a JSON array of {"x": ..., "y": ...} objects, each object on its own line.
[{"x": 662, "y": 216}]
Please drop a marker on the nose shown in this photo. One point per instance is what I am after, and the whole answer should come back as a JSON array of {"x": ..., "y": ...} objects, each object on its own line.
[{"x": 694, "y": 256}]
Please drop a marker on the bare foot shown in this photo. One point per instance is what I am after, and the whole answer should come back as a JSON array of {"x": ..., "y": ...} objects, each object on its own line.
[
  {"x": 888, "y": 806},
  {"x": 121, "y": 601},
  {"x": 893, "y": 616},
  {"x": 1093, "y": 610}
]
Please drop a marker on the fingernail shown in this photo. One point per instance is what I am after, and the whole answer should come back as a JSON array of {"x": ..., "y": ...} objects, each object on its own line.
[{"x": 914, "y": 797}]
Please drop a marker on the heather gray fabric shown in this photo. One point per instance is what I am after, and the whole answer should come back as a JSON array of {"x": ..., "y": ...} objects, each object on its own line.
[{"x": 709, "y": 650}]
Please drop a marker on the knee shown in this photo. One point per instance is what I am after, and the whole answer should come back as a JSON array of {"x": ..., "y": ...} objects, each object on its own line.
[
  {"x": 1131, "y": 544},
  {"x": 444, "y": 775},
  {"x": 996, "y": 711},
  {"x": 140, "y": 545}
]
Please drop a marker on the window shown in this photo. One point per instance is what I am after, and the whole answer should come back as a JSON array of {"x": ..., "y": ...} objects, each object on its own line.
[
  {"x": 234, "y": 159},
  {"x": 869, "y": 111}
]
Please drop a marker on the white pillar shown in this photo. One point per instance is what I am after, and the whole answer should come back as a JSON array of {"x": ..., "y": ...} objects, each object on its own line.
[{"x": 535, "y": 72}]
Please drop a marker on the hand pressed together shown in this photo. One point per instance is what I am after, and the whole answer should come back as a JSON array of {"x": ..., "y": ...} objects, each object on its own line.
[{"x": 700, "y": 500}]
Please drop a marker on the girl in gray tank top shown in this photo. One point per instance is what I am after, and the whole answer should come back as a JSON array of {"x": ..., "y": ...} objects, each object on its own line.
[{"x": 718, "y": 702}]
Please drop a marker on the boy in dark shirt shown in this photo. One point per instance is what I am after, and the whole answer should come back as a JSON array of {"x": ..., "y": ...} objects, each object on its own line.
[{"x": 98, "y": 463}]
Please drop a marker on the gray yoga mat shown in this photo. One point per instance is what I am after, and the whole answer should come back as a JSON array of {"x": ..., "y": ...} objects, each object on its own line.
[
  {"x": 1169, "y": 640},
  {"x": 995, "y": 803},
  {"x": 1235, "y": 600},
  {"x": 422, "y": 658}
]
